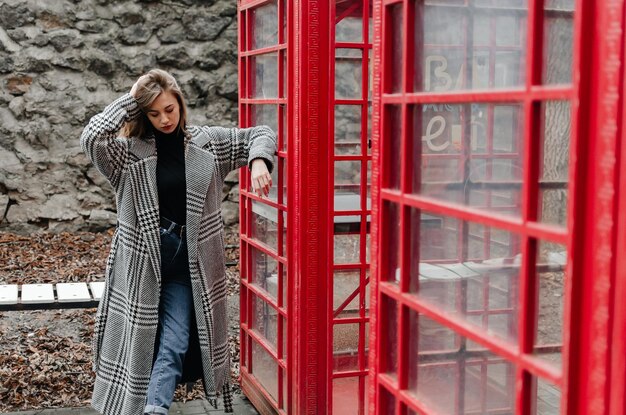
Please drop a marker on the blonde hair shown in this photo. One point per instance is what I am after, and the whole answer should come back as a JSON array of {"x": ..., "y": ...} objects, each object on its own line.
[{"x": 150, "y": 87}]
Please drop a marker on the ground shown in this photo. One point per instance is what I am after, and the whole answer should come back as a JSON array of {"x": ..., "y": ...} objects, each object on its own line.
[{"x": 45, "y": 356}]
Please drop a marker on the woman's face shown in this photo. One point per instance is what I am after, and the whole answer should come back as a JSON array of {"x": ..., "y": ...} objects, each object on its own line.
[{"x": 164, "y": 113}]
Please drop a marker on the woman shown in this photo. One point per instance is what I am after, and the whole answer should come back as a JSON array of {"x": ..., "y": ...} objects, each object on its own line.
[{"x": 162, "y": 317}]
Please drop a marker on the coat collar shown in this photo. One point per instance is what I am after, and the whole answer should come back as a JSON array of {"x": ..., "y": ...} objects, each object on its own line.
[{"x": 199, "y": 172}]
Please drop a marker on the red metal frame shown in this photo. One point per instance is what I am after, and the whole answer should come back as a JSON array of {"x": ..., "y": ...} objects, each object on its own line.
[
  {"x": 592, "y": 378},
  {"x": 258, "y": 385},
  {"x": 588, "y": 375},
  {"x": 617, "y": 404},
  {"x": 311, "y": 116}
]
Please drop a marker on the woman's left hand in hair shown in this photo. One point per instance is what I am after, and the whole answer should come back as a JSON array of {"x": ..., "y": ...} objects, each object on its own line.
[{"x": 261, "y": 178}]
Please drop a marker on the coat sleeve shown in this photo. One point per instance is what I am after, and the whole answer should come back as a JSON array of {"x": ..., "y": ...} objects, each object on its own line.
[
  {"x": 237, "y": 147},
  {"x": 99, "y": 140}
]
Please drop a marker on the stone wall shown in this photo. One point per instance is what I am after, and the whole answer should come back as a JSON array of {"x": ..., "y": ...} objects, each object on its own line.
[{"x": 63, "y": 61}]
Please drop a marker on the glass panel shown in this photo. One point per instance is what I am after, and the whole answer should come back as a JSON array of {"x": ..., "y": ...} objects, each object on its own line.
[
  {"x": 285, "y": 19},
  {"x": 243, "y": 32},
  {"x": 348, "y": 129},
  {"x": 469, "y": 154},
  {"x": 554, "y": 169},
  {"x": 368, "y": 242},
  {"x": 437, "y": 238},
  {"x": 387, "y": 401},
  {"x": 367, "y": 389},
  {"x": 396, "y": 45},
  {"x": 284, "y": 248},
  {"x": 264, "y": 320},
  {"x": 264, "y": 271},
  {"x": 349, "y": 20},
  {"x": 285, "y": 344},
  {"x": 389, "y": 339},
  {"x": 495, "y": 37},
  {"x": 393, "y": 133},
  {"x": 370, "y": 75},
  {"x": 278, "y": 169},
  {"x": 348, "y": 73},
  {"x": 285, "y": 175},
  {"x": 345, "y": 284},
  {"x": 347, "y": 185},
  {"x": 265, "y": 114},
  {"x": 283, "y": 55},
  {"x": 285, "y": 131},
  {"x": 551, "y": 263},
  {"x": 467, "y": 269},
  {"x": 265, "y": 25},
  {"x": 346, "y": 396},
  {"x": 345, "y": 347},
  {"x": 265, "y": 369},
  {"x": 560, "y": 5},
  {"x": 391, "y": 241},
  {"x": 507, "y": 30},
  {"x": 347, "y": 248},
  {"x": 369, "y": 186},
  {"x": 547, "y": 398},
  {"x": 264, "y": 224},
  {"x": 367, "y": 303},
  {"x": 558, "y": 41},
  {"x": 369, "y": 129},
  {"x": 265, "y": 70},
  {"x": 439, "y": 376},
  {"x": 285, "y": 304},
  {"x": 243, "y": 311},
  {"x": 243, "y": 351},
  {"x": 505, "y": 137},
  {"x": 285, "y": 390}
]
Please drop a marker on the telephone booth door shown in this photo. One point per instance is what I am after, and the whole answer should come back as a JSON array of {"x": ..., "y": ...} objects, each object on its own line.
[
  {"x": 495, "y": 131},
  {"x": 305, "y": 71},
  {"x": 264, "y": 312}
]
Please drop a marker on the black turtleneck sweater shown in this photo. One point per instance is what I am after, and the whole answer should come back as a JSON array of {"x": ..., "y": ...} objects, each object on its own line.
[{"x": 171, "y": 182}]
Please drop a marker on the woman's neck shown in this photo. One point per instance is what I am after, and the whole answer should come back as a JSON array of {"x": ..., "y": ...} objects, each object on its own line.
[{"x": 174, "y": 134}]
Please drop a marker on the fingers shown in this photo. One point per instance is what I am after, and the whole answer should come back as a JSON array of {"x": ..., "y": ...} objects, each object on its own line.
[
  {"x": 135, "y": 87},
  {"x": 262, "y": 184}
]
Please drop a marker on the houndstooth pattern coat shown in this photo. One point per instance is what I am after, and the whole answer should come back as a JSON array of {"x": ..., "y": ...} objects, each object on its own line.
[{"x": 127, "y": 318}]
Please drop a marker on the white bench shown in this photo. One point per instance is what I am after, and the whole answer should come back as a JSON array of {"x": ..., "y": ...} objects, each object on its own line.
[{"x": 50, "y": 296}]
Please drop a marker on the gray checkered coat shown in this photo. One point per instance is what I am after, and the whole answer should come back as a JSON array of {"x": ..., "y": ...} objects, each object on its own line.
[{"x": 127, "y": 318}]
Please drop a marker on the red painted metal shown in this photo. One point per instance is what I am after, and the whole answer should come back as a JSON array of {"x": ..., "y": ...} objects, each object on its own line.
[
  {"x": 592, "y": 380},
  {"x": 530, "y": 193},
  {"x": 264, "y": 385},
  {"x": 308, "y": 100},
  {"x": 618, "y": 344},
  {"x": 374, "y": 343},
  {"x": 597, "y": 129},
  {"x": 311, "y": 53}
]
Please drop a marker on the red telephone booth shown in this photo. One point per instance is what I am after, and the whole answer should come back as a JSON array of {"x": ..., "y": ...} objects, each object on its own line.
[
  {"x": 304, "y": 71},
  {"x": 496, "y": 128}
]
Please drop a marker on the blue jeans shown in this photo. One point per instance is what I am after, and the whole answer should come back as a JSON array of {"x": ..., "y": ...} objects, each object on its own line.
[{"x": 175, "y": 314}]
